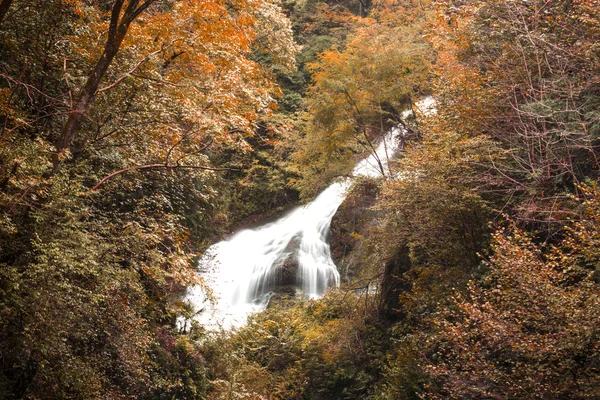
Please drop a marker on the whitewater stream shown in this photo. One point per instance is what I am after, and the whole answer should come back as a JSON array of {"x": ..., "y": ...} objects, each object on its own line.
[{"x": 243, "y": 271}]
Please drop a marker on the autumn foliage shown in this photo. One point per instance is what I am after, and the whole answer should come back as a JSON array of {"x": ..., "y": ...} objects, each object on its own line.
[
  {"x": 529, "y": 329},
  {"x": 135, "y": 133},
  {"x": 115, "y": 118}
]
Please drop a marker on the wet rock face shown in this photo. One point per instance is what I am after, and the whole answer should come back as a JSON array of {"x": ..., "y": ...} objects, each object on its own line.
[
  {"x": 288, "y": 271},
  {"x": 351, "y": 223}
]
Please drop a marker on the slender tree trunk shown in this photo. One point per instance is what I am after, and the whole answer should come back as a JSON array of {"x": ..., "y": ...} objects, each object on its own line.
[
  {"x": 4, "y": 6},
  {"x": 119, "y": 25},
  {"x": 85, "y": 98}
]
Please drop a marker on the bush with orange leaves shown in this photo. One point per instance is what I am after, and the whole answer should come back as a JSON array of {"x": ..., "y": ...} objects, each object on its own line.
[{"x": 531, "y": 328}]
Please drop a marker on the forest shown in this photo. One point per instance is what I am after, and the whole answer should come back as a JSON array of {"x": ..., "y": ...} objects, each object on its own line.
[{"x": 135, "y": 134}]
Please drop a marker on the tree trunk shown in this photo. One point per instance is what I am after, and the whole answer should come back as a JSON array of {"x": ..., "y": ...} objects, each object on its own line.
[
  {"x": 119, "y": 25},
  {"x": 85, "y": 98},
  {"x": 4, "y": 6}
]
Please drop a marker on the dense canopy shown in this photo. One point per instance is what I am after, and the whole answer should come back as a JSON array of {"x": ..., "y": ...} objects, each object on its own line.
[{"x": 136, "y": 133}]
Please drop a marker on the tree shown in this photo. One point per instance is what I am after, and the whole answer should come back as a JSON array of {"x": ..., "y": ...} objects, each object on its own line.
[
  {"x": 433, "y": 224},
  {"x": 359, "y": 93},
  {"x": 89, "y": 279},
  {"x": 4, "y": 7},
  {"x": 515, "y": 73},
  {"x": 122, "y": 14},
  {"x": 529, "y": 328}
]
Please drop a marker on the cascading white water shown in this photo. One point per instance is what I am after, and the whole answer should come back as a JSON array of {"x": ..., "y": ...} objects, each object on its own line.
[{"x": 243, "y": 270}]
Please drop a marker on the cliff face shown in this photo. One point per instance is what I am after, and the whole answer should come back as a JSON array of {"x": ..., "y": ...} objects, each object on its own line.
[{"x": 352, "y": 222}]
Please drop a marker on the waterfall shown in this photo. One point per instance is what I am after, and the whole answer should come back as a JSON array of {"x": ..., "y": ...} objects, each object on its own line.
[{"x": 293, "y": 250}]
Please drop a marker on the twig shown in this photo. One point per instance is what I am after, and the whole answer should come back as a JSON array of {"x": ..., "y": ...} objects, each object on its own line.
[{"x": 130, "y": 72}]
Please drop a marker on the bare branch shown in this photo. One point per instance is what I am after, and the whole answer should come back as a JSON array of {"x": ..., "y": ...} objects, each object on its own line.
[
  {"x": 154, "y": 166},
  {"x": 129, "y": 73}
]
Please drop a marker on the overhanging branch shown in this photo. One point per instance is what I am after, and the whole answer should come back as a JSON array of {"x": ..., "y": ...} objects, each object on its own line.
[{"x": 154, "y": 166}]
